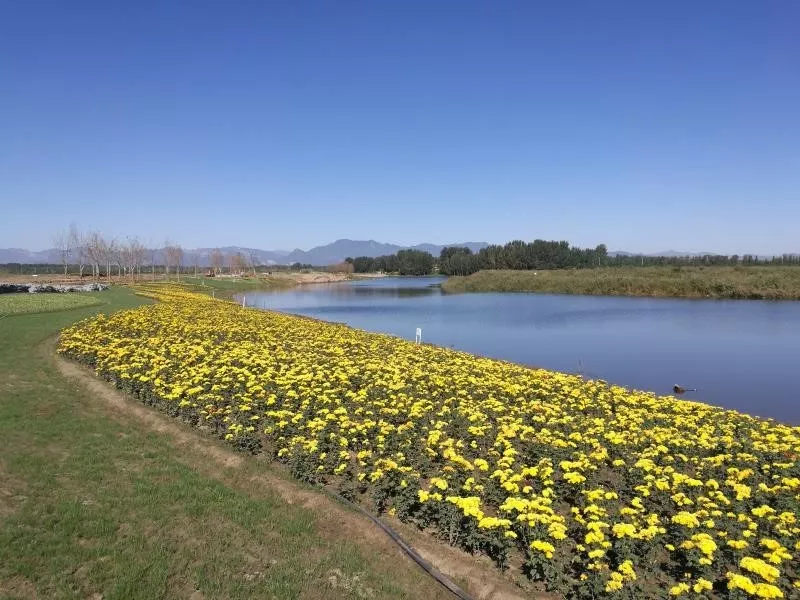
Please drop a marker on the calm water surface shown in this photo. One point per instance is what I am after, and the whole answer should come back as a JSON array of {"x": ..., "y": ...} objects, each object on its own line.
[{"x": 739, "y": 354}]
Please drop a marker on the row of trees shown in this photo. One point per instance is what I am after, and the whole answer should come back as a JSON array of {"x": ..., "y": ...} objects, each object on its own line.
[
  {"x": 721, "y": 260},
  {"x": 405, "y": 262},
  {"x": 378, "y": 264},
  {"x": 538, "y": 254},
  {"x": 129, "y": 257},
  {"x": 542, "y": 254},
  {"x": 93, "y": 250}
]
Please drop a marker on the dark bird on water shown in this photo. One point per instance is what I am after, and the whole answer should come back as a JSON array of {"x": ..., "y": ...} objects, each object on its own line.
[{"x": 682, "y": 390}]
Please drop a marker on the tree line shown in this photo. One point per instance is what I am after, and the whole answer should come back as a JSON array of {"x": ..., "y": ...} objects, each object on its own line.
[
  {"x": 714, "y": 260},
  {"x": 84, "y": 251},
  {"x": 541, "y": 255},
  {"x": 405, "y": 262},
  {"x": 520, "y": 255},
  {"x": 456, "y": 260}
]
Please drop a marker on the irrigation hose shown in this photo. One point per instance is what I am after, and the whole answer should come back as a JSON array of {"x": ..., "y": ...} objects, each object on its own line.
[{"x": 428, "y": 567}]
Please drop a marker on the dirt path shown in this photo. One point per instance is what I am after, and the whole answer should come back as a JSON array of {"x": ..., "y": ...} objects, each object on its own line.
[{"x": 210, "y": 457}]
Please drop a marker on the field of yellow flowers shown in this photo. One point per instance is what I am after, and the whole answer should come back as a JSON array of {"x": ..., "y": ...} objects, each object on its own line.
[{"x": 595, "y": 490}]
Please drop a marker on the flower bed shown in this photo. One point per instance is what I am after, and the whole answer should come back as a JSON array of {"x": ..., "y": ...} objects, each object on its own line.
[{"x": 595, "y": 490}]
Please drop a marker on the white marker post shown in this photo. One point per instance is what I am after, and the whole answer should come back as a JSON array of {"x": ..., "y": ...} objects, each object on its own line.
[
  {"x": 418, "y": 336},
  {"x": 244, "y": 301}
]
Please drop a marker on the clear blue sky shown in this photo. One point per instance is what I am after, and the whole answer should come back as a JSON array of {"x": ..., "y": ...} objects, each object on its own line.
[{"x": 644, "y": 125}]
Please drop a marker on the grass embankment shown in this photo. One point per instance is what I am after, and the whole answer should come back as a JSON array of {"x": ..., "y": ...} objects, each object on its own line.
[
  {"x": 95, "y": 504},
  {"x": 17, "y": 304},
  {"x": 758, "y": 283}
]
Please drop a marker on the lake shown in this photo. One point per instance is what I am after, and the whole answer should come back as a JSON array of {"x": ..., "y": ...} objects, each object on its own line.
[{"x": 740, "y": 354}]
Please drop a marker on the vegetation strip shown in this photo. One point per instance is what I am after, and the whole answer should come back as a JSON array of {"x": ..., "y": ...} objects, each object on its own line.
[
  {"x": 595, "y": 490},
  {"x": 753, "y": 283},
  {"x": 18, "y": 304}
]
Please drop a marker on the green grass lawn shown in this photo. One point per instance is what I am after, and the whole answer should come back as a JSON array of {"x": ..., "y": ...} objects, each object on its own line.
[
  {"x": 16, "y": 304},
  {"x": 96, "y": 504}
]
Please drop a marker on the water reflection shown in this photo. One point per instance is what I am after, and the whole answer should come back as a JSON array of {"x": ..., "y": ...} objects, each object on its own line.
[{"x": 358, "y": 291}]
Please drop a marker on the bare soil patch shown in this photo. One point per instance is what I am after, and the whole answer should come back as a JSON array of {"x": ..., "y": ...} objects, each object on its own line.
[
  {"x": 10, "y": 492},
  {"x": 18, "y": 587}
]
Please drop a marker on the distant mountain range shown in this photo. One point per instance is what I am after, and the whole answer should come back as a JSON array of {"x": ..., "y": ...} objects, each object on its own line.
[{"x": 328, "y": 254}]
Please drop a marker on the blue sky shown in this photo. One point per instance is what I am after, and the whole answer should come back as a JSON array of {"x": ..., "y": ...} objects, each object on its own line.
[{"x": 643, "y": 125}]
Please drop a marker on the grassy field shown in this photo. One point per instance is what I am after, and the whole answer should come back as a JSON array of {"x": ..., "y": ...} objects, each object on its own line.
[
  {"x": 17, "y": 304},
  {"x": 227, "y": 288},
  {"x": 763, "y": 283},
  {"x": 96, "y": 503}
]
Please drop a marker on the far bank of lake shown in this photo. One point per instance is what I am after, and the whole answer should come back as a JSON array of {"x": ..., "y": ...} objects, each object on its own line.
[
  {"x": 740, "y": 355},
  {"x": 740, "y": 282}
]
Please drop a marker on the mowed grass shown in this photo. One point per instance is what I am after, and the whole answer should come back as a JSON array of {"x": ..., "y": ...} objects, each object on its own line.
[
  {"x": 17, "y": 304},
  {"x": 757, "y": 283},
  {"x": 94, "y": 504}
]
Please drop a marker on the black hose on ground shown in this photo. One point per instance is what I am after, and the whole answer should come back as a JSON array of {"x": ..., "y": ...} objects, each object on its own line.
[{"x": 429, "y": 568}]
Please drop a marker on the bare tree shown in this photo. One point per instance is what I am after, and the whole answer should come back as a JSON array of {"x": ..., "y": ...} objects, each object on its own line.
[
  {"x": 119, "y": 255},
  {"x": 127, "y": 255},
  {"x": 138, "y": 253},
  {"x": 153, "y": 254},
  {"x": 167, "y": 255},
  {"x": 179, "y": 260},
  {"x": 108, "y": 251},
  {"x": 95, "y": 249},
  {"x": 237, "y": 263},
  {"x": 79, "y": 246},
  {"x": 254, "y": 262},
  {"x": 174, "y": 256},
  {"x": 62, "y": 242},
  {"x": 342, "y": 267},
  {"x": 217, "y": 261}
]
